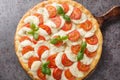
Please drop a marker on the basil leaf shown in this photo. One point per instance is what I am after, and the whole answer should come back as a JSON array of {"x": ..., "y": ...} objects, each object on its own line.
[
  {"x": 35, "y": 36},
  {"x": 36, "y": 29},
  {"x": 64, "y": 37},
  {"x": 80, "y": 55},
  {"x": 83, "y": 46},
  {"x": 32, "y": 26},
  {"x": 67, "y": 18},
  {"x": 48, "y": 71},
  {"x": 60, "y": 10},
  {"x": 45, "y": 69},
  {"x": 31, "y": 32},
  {"x": 53, "y": 41}
]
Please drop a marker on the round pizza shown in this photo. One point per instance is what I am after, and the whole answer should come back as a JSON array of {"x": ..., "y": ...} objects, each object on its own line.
[{"x": 58, "y": 40}]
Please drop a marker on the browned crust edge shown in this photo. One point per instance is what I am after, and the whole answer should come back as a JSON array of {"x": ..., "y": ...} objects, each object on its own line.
[{"x": 98, "y": 33}]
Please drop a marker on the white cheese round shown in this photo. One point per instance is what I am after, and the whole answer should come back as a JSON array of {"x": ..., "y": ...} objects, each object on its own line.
[
  {"x": 86, "y": 60},
  {"x": 35, "y": 65},
  {"x": 92, "y": 48}
]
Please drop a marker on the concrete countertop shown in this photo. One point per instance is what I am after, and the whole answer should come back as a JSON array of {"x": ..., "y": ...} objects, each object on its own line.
[{"x": 11, "y": 12}]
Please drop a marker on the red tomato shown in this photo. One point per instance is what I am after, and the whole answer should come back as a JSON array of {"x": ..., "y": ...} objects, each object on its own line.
[
  {"x": 83, "y": 67},
  {"x": 90, "y": 54},
  {"x": 92, "y": 40},
  {"x": 68, "y": 74},
  {"x": 76, "y": 14},
  {"x": 41, "y": 49},
  {"x": 46, "y": 28},
  {"x": 59, "y": 43},
  {"x": 24, "y": 38},
  {"x": 52, "y": 11},
  {"x": 27, "y": 25},
  {"x": 65, "y": 7},
  {"x": 74, "y": 35},
  {"x": 40, "y": 17},
  {"x": 52, "y": 61},
  {"x": 87, "y": 25},
  {"x": 57, "y": 73},
  {"x": 27, "y": 49},
  {"x": 41, "y": 75},
  {"x": 57, "y": 21},
  {"x": 66, "y": 61},
  {"x": 31, "y": 60},
  {"x": 75, "y": 49},
  {"x": 67, "y": 26},
  {"x": 39, "y": 38}
]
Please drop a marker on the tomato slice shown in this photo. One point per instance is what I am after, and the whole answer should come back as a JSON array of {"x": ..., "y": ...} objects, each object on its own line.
[
  {"x": 68, "y": 75},
  {"x": 41, "y": 50},
  {"x": 92, "y": 40},
  {"x": 46, "y": 28},
  {"x": 24, "y": 38},
  {"x": 40, "y": 17},
  {"x": 41, "y": 75},
  {"x": 67, "y": 26},
  {"x": 74, "y": 36},
  {"x": 65, "y": 7},
  {"x": 57, "y": 73},
  {"x": 27, "y": 25},
  {"x": 27, "y": 49},
  {"x": 90, "y": 54},
  {"x": 59, "y": 43},
  {"x": 87, "y": 25},
  {"x": 31, "y": 60},
  {"x": 83, "y": 67},
  {"x": 52, "y": 11},
  {"x": 75, "y": 49},
  {"x": 76, "y": 14},
  {"x": 52, "y": 61},
  {"x": 57, "y": 21},
  {"x": 39, "y": 38},
  {"x": 66, "y": 61}
]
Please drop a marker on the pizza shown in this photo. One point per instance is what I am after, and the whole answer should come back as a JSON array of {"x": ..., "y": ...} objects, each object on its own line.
[{"x": 58, "y": 40}]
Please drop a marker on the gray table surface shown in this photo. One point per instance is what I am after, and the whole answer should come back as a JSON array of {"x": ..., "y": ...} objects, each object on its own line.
[{"x": 12, "y": 10}]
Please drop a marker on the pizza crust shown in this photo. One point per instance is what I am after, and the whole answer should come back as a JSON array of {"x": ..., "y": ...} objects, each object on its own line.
[{"x": 84, "y": 10}]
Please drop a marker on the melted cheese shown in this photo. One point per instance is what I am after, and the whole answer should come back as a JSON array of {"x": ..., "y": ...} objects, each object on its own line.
[
  {"x": 63, "y": 76},
  {"x": 50, "y": 77},
  {"x": 70, "y": 10},
  {"x": 75, "y": 72},
  {"x": 92, "y": 48},
  {"x": 31, "y": 19},
  {"x": 58, "y": 60},
  {"x": 81, "y": 20},
  {"x": 35, "y": 65},
  {"x": 28, "y": 55},
  {"x": 23, "y": 31},
  {"x": 86, "y": 60},
  {"x": 26, "y": 43},
  {"x": 45, "y": 55},
  {"x": 62, "y": 22},
  {"x": 70, "y": 55}
]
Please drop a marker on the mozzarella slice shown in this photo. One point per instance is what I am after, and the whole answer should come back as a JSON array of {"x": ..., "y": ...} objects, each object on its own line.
[
  {"x": 70, "y": 10},
  {"x": 32, "y": 19},
  {"x": 23, "y": 31},
  {"x": 91, "y": 32},
  {"x": 63, "y": 76},
  {"x": 28, "y": 55},
  {"x": 58, "y": 60},
  {"x": 81, "y": 20},
  {"x": 25, "y": 43},
  {"x": 51, "y": 76},
  {"x": 92, "y": 48},
  {"x": 86, "y": 60},
  {"x": 75, "y": 72},
  {"x": 70, "y": 55},
  {"x": 45, "y": 55},
  {"x": 62, "y": 22},
  {"x": 35, "y": 65}
]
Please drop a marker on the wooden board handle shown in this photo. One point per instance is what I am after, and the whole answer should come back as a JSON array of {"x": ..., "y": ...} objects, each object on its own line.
[{"x": 114, "y": 12}]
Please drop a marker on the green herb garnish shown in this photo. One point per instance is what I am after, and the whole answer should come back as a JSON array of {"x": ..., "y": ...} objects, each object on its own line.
[
  {"x": 61, "y": 12},
  {"x": 58, "y": 39},
  {"x": 81, "y": 52},
  {"x": 33, "y": 32},
  {"x": 45, "y": 68}
]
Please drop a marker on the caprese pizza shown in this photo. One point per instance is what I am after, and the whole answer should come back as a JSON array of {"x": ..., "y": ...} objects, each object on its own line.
[{"x": 58, "y": 40}]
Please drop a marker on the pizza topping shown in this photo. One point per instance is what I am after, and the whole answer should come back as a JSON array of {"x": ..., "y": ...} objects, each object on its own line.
[
  {"x": 57, "y": 73},
  {"x": 83, "y": 67},
  {"x": 65, "y": 7},
  {"x": 75, "y": 49},
  {"x": 58, "y": 39},
  {"x": 27, "y": 49},
  {"x": 67, "y": 18},
  {"x": 33, "y": 32},
  {"x": 41, "y": 75},
  {"x": 39, "y": 38},
  {"x": 31, "y": 60},
  {"x": 90, "y": 54},
  {"x": 45, "y": 68},
  {"x": 74, "y": 36},
  {"x": 41, "y": 50},
  {"x": 46, "y": 28},
  {"x": 66, "y": 61},
  {"x": 87, "y": 25},
  {"x": 40, "y": 17},
  {"x": 86, "y": 60},
  {"x": 51, "y": 58},
  {"x": 35, "y": 65},
  {"x": 76, "y": 14},
  {"x": 24, "y": 38},
  {"x": 92, "y": 40},
  {"x": 67, "y": 26},
  {"x": 57, "y": 21},
  {"x": 68, "y": 74},
  {"x": 27, "y": 25},
  {"x": 52, "y": 11},
  {"x": 81, "y": 52}
]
